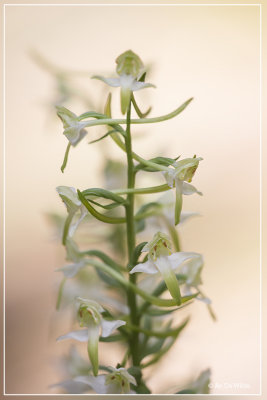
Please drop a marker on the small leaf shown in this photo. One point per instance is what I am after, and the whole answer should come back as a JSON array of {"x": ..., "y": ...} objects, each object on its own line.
[
  {"x": 107, "y": 108},
  {"x": 66, "y": 156},
  {"x": 103, "y": 257},
  {"x": 112, "y": 338},
  {"x": 185, "y": 299},
  {"x": 186, "y": 391},
  {"x": 137, "y": 252},
  {"x": 158, "y": 312},
  {"x": 140, "y": 223},
  {"x": 102, "y": 137},
  {"x": 108, "y": 279},
  {"x": 158, "y": 160},
  {"x": 103, "y": 193}
]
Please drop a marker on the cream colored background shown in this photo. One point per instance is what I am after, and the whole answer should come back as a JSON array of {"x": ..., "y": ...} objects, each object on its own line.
[{"x": 211, "y": 53}]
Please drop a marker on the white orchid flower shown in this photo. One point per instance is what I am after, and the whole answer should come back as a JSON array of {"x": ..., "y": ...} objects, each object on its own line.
[
  {"x": 70, "y": 386},
  {"x": 89, "y": 315},
  {"x": 130, "y": 69},
  {"x": 74, "y": 255},
  {"x": 76, "y": 210},
  {"x": 116, "y": 382},
  {"x": 73, "y": 128},
  {"x": 182, "y": 173},
  {"x": 162, "y": 260}
]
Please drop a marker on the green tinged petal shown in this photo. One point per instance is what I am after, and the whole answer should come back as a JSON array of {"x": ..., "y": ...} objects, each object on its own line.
[{"x": 92, "y": 347}]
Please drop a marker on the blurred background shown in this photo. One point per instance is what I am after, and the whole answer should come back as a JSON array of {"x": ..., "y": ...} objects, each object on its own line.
[{"x": 210, "y": 53}]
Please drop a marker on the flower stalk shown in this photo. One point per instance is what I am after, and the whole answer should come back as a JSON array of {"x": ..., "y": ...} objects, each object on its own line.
[{"x": 131, "y": 296}]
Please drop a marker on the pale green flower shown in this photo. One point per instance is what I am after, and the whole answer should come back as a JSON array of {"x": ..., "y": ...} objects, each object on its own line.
[
  {"x": 75, "y": 208},
  {"x": 116, "y": 382},
  {"x": 162, "y": 260},
  {"x": 180, "y": 174},
  {"x": 73, "y": 128},
  {"x": 74, "y": 255},
  {"x": 89, "y": 315},
  {"x": 130, "y": 69}
]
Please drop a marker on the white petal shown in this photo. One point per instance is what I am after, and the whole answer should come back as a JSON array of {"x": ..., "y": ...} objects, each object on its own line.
[
  {"x": 177, "y": 259},
  {"x": 127, "y": 81},
  {"x": 114, "y": 82},
  {"x": 185, "y": 215},
  {"x": 169, "y": 176},
  {"x": 205, "y": 300},
  {"x": 108, "y": 327},
  {"x": 189, "y": 189},
  {"x": 80, "y": 335},
  {"x": 71, "y": 387},
  {"x": 69, "y": 193},
  {"x": 192, "y": 270},
  {"x": 71, "y": 270},
  {"x": 141, "y": 85},
  {"x": 72, "y": 250},
  {"x": 97, "y": 383},
  {"x": 74, "y": 225},
  {"x": 148, "y": 267}
]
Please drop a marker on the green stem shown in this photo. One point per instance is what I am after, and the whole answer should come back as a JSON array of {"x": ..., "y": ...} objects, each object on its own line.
[
  {"x": 129, "y": 208},
  {"x": 136, "y": 157}
]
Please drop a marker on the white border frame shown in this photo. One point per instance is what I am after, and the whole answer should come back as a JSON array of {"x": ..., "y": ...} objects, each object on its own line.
[{"x": 4, "y": 181}]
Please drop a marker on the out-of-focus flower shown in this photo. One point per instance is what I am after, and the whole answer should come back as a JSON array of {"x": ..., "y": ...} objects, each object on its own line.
[
  {"x": 73, "y": 254},
  {"x": 75, "y": 208},
  {"x": 89, "y": 315},
  {"x": 117, "y": 381},
  {"x": 200, "y": 385},
  {"x": 130, "y": 69}
]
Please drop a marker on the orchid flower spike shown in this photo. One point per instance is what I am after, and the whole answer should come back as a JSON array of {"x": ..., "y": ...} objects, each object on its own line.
[
  {"x": 162, "y": 260},
  {"x": 130, "y": 70},
  {"x": 73, "y": 128},
  {"x": 89, "y": 315},
  {"x": 74, "y": 206},
  {"x": 116, "y": 382},
  {"x": 180, "y": 175}
]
